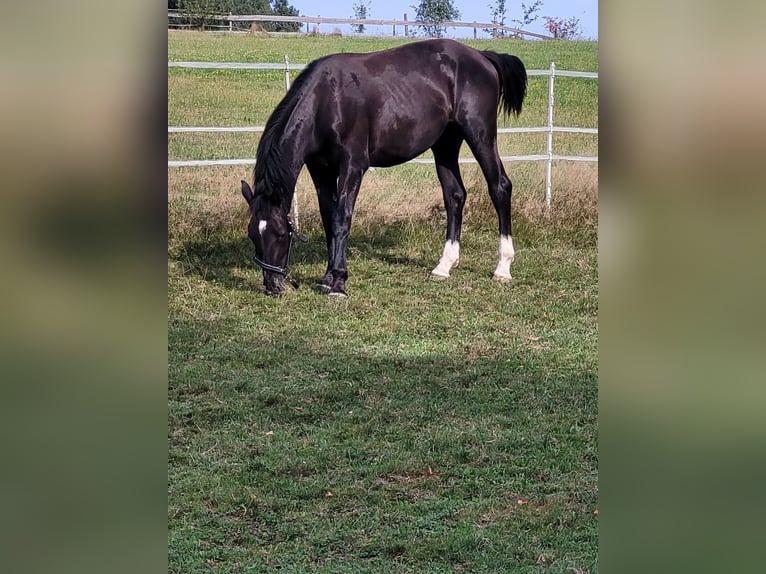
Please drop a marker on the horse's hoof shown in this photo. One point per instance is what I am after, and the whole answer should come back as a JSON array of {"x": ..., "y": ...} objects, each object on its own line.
[
  {"x": 337, "y": 295},
  {"x": 435, "y": 277},
  {"x": 501, "y": 278},
  {"x": 322, "y": 288}
]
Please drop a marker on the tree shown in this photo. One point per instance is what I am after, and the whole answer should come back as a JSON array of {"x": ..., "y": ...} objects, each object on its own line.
[
  {"x": 282, "y": 8},
  {"x": 200, "y": 13},
  {"x": 361, "y": 11},
  {"x": 527, "y": 16},
  {"x": 498, "y": 11},
  {"x": 435, "y": 12},
  {"x": 564, "y": 29},
  {"x": 527, "y": 12},
  {"x": 498, "y": 17}
]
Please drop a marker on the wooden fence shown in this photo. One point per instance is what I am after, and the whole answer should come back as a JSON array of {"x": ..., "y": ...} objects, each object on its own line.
[{"x": 228, "y": 22}]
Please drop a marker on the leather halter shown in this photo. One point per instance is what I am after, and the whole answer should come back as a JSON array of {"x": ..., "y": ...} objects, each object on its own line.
[{"x": 283, "y": 270}]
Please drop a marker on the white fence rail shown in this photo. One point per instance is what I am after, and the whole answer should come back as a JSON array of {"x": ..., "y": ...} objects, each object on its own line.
[{"x": 550, "y": 129}]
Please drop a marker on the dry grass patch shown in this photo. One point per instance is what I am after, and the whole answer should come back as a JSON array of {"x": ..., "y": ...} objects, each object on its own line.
[
  {"x": 207, "y": 199},
  {"x": 203, "y": 201}
]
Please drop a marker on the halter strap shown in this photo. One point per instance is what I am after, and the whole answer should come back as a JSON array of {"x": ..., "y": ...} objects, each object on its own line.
[
  {"x": 283, "y": 270},
  {"x": 265, "y": 266}
]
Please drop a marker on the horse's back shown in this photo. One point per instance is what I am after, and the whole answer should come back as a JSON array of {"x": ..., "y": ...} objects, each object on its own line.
[
  {"x": 396, "y": 102},
  {"x": 438, "y": 62}
]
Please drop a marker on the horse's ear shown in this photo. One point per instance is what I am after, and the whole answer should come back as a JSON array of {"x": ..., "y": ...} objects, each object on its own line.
[{"x": 247, "y": 193}]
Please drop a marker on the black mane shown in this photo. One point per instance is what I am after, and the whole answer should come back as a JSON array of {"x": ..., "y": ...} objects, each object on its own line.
[{"x": 271, "y": 172}]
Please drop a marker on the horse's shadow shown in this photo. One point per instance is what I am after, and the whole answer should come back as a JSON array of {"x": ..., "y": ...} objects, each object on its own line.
[{"x": 222, "y": 259}]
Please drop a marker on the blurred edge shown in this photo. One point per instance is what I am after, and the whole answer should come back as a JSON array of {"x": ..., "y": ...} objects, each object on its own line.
[
  {"x": 83, "y": 246},
  {"x": 682, "y": 397}
]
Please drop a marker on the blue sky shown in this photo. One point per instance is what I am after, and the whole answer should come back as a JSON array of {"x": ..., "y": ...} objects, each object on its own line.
[{"x": 470, "y": 10}]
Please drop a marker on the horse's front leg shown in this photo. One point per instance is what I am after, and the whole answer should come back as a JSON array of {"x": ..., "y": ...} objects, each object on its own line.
[
  {"x": 327, "y": 209},
  {"x": 325, "y": 179},
  {"x": 348, "y": 188}
]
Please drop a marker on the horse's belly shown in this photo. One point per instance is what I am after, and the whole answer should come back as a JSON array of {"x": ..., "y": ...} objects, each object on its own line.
[
  {"x": 389, "y": 157},
  {"x": 402, "y": 141}
]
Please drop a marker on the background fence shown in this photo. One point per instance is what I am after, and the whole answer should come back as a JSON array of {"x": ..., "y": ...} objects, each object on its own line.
[
  {"x": 234, "y": 22},
  {"x": 550, "y": 129}
]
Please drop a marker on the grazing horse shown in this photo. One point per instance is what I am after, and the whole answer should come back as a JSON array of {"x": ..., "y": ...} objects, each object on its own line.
[{"x": 346, "y": 113}]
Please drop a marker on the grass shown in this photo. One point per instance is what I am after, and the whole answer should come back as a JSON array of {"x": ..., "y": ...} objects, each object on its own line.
[
  {"x": 416, "y": 426},
  {"x": 192, "y": 46}
]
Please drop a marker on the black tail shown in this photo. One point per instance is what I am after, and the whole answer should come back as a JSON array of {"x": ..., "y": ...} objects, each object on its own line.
[{"x": 513, "y": 80}]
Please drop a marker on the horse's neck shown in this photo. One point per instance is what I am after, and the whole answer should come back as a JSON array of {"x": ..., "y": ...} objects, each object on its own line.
[
  {"x": 294, "y": 149},
  {"x": 285, "y": 158},
  {"x": 279, "y": 172},
  {"x": 296, "y": 139},
  {"x": 294, "y": 163}
]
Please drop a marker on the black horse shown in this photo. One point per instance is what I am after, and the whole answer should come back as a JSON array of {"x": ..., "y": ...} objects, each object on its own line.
[{"x": 347, "y": 112}]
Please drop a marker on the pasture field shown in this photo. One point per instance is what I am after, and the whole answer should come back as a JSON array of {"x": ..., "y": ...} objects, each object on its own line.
[
  {"x": 237, "y": 98},
  {"x": 415, "y": 426}
]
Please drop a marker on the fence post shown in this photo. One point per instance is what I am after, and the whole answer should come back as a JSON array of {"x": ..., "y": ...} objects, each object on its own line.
[
  {"x": 229, "y": 20},
  {"x": 287, "y": 73},
  {"x": 406, "y": 27},
  {"x": 550, "y": 137},
  {"x": 295, "y": 192}
]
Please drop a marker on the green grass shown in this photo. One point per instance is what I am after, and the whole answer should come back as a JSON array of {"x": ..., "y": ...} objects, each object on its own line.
[
  {"x": 396, "y": 430},
  {"x": 426, "y": 409},
  {"x": 193, "y": 46}
]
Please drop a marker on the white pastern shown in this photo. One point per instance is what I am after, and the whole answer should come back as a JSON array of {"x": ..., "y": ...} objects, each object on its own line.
[
  {"x": 505, "y": 258},
  {"x": 450, "y": 259},
  {"x": 262, "y": 226}
]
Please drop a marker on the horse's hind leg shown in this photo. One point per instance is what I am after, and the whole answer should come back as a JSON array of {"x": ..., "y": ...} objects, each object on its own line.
[
  {"x": 500, "y": 187},
  {"x": 446, "y": 151}
]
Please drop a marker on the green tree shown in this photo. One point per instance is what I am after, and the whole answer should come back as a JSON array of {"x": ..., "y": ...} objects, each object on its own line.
[
  {"x": 361, "y": 11},
  {"x": 498, "y": 17},
  {"x": 435, "y": 12},
  {"x": 498, "y": 11},
  {"x": 201, "y": 13},
  {"x": 244, "y": 6},
  {"x": 528, "y": 13},
  {"x": 282, "y": 8}
]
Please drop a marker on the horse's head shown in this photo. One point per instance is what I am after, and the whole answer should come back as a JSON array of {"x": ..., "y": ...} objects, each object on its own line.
[{"x": 271, "y": 232}]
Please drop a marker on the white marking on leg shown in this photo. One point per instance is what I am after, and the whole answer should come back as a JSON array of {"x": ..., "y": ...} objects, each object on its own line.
[
  {"x": 450, "y": 259},
  {"x": 262, "y": 226},
  {"x": 505, "y": 258}
]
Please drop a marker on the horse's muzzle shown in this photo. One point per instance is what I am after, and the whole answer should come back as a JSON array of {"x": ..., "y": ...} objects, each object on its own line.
[{"x": 273, "y": 284}]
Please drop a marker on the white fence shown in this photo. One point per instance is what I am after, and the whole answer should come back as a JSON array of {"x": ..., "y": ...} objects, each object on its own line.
[{"x": 550, "y": 129}]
